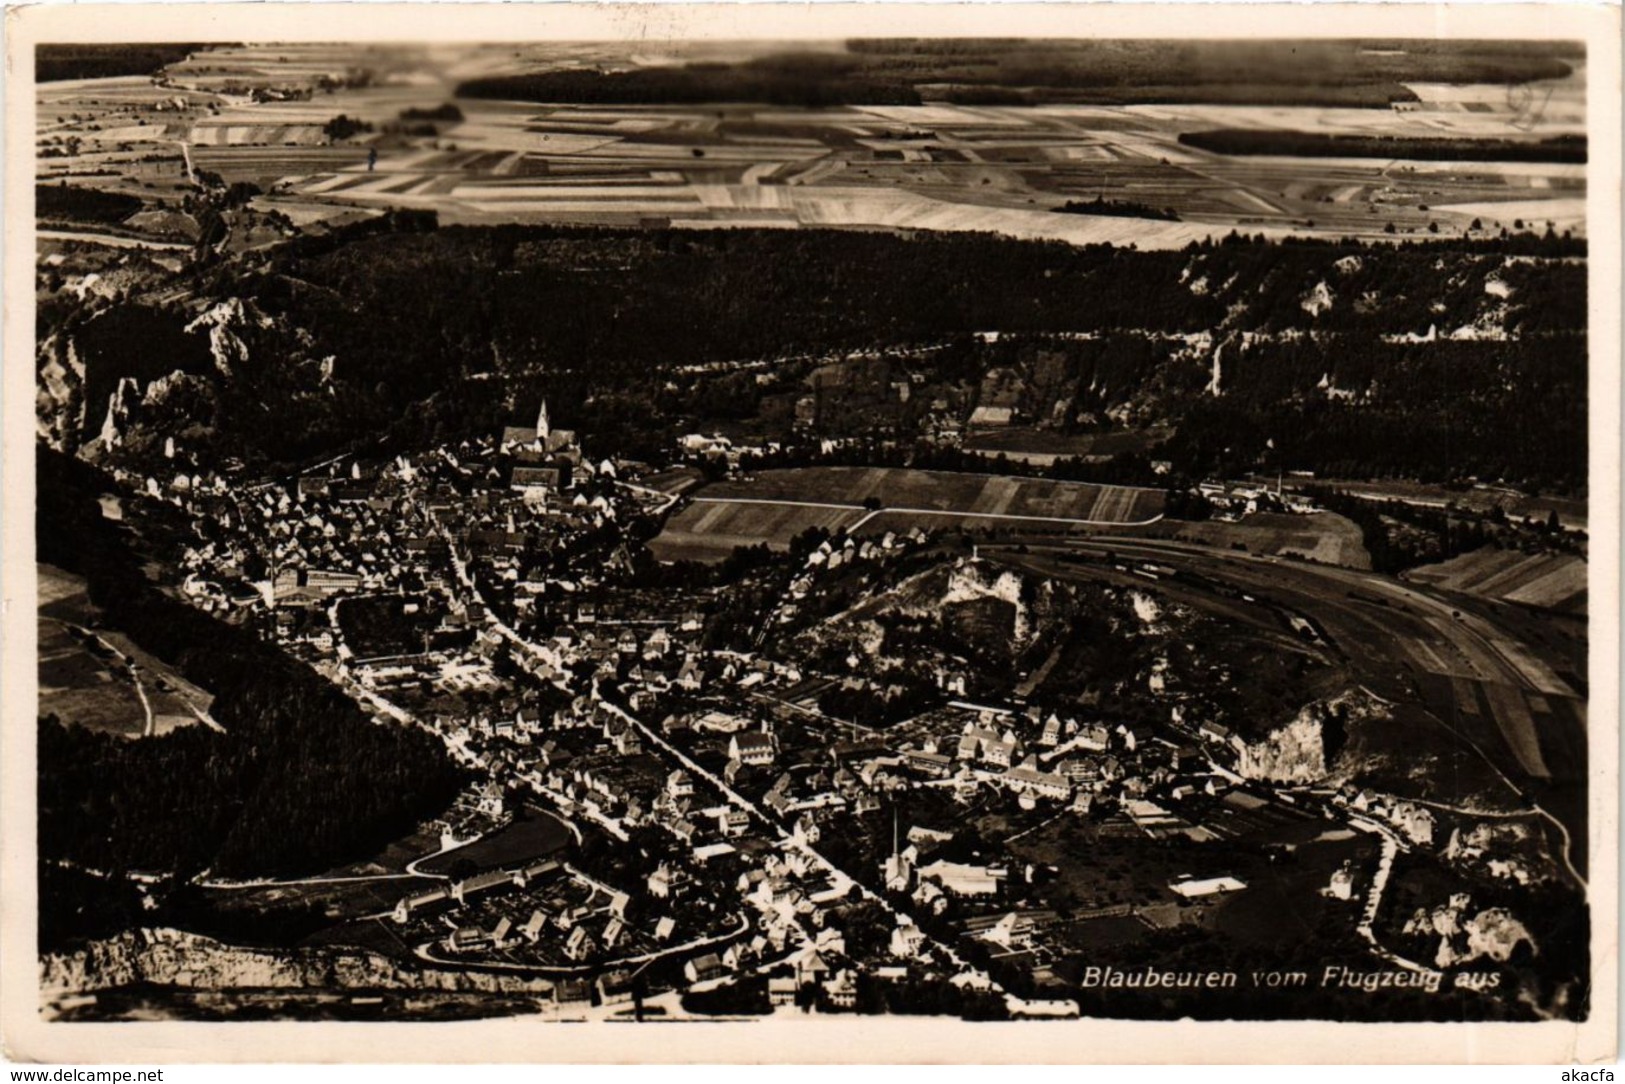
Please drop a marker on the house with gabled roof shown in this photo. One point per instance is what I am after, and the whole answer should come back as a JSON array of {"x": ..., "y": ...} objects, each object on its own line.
[
  {"x": 579, "y": 945},
  {"x": 705, "y": 968},
  {"x": 781, "y": 990},
  {"x": 615, "y": 987},
  {"x": 811, "y": 967},
  {"x": 906, "y": 942},
  {"x": 841, "y": 991},
  {"x": 752, "y": 748},
  {"x": 667, "y": 881}
]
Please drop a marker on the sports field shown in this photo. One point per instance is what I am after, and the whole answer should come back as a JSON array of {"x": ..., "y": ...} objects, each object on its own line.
[{"x": 533, "y": 835}]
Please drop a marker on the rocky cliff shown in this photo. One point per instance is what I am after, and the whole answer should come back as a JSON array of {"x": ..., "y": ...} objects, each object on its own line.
[
  {"x": 1294, "y": 753},
  {"x": 169, "y": 957},
  {"x": 1306, "y": 749}
]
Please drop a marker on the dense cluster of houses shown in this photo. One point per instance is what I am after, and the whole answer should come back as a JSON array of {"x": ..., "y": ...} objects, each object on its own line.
[
  {"x": 1415, "y": 823},
  {"x": 481, "y": 539}
]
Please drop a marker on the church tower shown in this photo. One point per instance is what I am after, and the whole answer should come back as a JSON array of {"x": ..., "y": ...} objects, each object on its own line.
[{"x": 543, "y": 429}]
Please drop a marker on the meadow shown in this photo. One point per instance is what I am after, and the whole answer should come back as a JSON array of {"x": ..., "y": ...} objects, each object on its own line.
[
  {"x": 1549, "y": 580},
  {"x": 774, "y": 506}
]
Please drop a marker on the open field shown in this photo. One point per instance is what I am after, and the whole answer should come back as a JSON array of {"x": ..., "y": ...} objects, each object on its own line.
[
  {"x": 1325, "y": 537},
  {"x": 774, "y": 506},
  {"x": 934, "y": 166},
  {"x": 707, "y": 531},
  {"x": 1100, "y": 867},
  {"x": 1552, "y": 580},
  {"x": 987, "y": 495},
  {"x": 98, "y": 678},
  {"x": 78, "y": 686},
  {"x": 298, "y": 904},
  {"x": 1571, "y": 511},
  {"x": 1283, "y": 901},
  {"x": 532, "y": 835}
]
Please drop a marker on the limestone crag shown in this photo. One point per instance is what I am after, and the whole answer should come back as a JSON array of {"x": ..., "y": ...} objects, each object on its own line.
[
  {"x": 222, "y": 321},
  {"x": 168, "y": 957},
  {"x": 1295, "y": 753}
]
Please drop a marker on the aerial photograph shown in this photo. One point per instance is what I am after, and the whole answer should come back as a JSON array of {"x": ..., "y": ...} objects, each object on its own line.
[{"x": 993, "y": 529}]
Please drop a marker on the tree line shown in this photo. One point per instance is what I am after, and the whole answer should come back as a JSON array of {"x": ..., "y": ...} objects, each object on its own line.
[{"x": 1567, "y": 149}]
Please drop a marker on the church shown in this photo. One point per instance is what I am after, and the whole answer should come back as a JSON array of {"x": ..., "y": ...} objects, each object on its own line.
[
  {"x": 541, "y": 438},
  {"x": 544, "y": 458}
]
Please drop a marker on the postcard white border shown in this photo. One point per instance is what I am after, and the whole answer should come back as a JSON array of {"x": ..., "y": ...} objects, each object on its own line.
[{"x": 821, "y": 1039}]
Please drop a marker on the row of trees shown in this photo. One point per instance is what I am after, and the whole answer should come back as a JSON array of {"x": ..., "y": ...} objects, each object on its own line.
[
  {"x": 1568, "y": 149},
  {"x": 1401, "y": 536},
  {"x": 791, "y": 79},
  {"x": 1119, "y": 208}
]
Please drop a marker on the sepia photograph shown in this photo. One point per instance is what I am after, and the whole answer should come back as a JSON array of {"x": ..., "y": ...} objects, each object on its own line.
[{"x": 966, "y": 522}]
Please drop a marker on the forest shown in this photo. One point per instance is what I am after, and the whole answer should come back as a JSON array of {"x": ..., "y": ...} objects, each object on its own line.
[
  {"x": 906, "y": 71},
  {"x": 1100, "y": 205},
  {"x": 301, "y": 780},
  {"x": 75, "y": 203},
  {"x": 1567, "y": 149},
  {"x": 601, "y": 320},
  {"x": 85, "y": 60},
  {"x": 1440, "y": 412}
]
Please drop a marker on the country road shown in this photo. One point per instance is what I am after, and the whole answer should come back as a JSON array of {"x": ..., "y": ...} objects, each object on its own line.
[{"x": 112, "y": 240}]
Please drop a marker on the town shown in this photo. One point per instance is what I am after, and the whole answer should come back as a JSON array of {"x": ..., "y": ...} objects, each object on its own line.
[
  {"x": 650, "y": 785},
  {"x": 1013, "y": 529}
]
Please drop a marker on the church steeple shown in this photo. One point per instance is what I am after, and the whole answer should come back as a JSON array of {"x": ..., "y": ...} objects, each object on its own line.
[{"x": 543, "y": 429}]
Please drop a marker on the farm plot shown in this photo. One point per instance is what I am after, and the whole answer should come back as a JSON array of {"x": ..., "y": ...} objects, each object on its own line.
[
  {"x": 1326, "y": 537},
  {"x": 989, "y": 496},
  {"x": 709, "y": 531},
  {"x": 98, "y": 678},
  {"x": 775, "y": 506},
  {"x": 79, "y": 687},
  {"x": 936, "y": 166},
  {"x": 1547, "y": 580}
]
